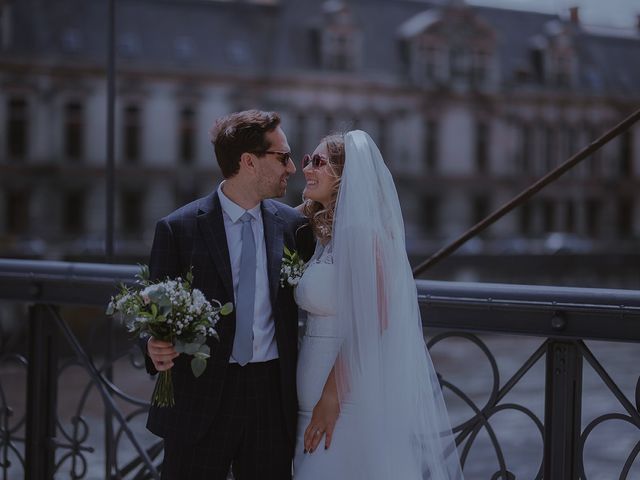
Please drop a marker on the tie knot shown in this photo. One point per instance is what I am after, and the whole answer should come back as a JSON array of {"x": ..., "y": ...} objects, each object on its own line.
[{"x": 246, "y": 217}]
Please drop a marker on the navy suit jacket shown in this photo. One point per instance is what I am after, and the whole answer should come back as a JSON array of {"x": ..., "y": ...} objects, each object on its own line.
[{"x": 194, "y": 236}]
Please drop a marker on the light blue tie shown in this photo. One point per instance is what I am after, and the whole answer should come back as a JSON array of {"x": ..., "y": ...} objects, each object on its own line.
[{"x": 243, "y": 340}]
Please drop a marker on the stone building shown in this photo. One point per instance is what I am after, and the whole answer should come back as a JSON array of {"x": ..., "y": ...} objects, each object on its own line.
[{"x": 468, "y": 104}]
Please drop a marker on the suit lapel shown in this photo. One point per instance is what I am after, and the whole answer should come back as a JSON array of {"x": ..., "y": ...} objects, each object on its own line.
[
  {"x": 211, "y": 224},
  {"x": 274, "y": 241}
]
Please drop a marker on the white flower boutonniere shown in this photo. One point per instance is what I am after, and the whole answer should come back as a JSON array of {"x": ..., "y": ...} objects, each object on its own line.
[{"x": 292, "y": 268}]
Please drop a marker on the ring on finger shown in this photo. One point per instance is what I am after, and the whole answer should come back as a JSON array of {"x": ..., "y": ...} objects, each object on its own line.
[{"x": 317, "y": 432}]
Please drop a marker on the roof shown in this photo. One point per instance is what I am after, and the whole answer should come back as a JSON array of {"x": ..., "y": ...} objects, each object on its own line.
[{"x": 276, "y": 37}]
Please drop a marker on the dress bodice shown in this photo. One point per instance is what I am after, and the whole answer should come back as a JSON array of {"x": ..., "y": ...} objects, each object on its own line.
[
  {"x": 316, "y": 293},
  {"x": 316, "y": 290}
]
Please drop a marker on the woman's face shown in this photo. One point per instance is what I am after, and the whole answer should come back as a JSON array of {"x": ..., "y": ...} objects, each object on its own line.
[{"x": 319, "y": 176}]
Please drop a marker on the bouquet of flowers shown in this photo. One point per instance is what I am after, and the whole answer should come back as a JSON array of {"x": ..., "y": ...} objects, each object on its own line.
[{"x": 172, "y": 311}]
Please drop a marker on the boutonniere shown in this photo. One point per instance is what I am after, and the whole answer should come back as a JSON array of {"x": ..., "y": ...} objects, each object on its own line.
[{"x": 292, "y": 268}]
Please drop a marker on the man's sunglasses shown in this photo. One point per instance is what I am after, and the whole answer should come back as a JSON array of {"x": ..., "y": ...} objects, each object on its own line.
[
  {"x": 316, "y": 161},
  {"x": 283, "y": 157}
]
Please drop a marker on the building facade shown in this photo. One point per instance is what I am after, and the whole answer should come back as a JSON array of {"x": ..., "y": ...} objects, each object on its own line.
[{"x": 469, "y": 105}]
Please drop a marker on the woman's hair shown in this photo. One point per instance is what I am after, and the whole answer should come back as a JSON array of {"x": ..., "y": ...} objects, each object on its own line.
[{"x": 320, "y": 217}]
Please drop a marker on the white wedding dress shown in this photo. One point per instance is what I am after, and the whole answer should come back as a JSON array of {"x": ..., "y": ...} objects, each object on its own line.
[
  {"x": 362, "y": 306},
  {"x": 316, "y": 294}
]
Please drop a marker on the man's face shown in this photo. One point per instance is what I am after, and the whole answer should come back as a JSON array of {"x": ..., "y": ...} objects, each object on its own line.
[{"x": 273, "y": 169}]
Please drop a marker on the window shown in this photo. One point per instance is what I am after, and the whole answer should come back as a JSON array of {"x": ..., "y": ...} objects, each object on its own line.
[
  {"x": 593, "y": 164},
  {"x": 548, "y": 216},
  {"x": 526, "y": 146},
  {"x": 480, "y": 208},
  {"x": 187, "y": 136},
  {"x": 430, "y": 214},
  {"x": 525, "y": 219},
  {"x": 593, "y": 207},
  {"x": 74, "y": 131},
  {"x": 431, "y": 62},
  {"x": 626, "y": 154},
  {"x": 458, "y": 62},
  {"x": 329, "y": 122},
  {"x": 383, "y": 126},
  {"x": 340, "y": 49},
  {"x": 562, "y": 66},
  {"x": 17, "y": 129},
  {"x": 6, "y": 25},
  {"x": 570, "y": 216},
  {"x": 479, "y": 68},
  {"x": 131, "y": 208},
  {"x": 301, "y": 129},
  {"x": 431, "y": 145},
  {"x": 571, "y": 143},
  {"x": 625, "y": 217},
  {"x": 17, "y": 212},
  {"x": 73, "y": 215},
  {"x": 549, "y": 149},
  {"x": 482, "y": 147},
  {"x": 132, "y": 134}
]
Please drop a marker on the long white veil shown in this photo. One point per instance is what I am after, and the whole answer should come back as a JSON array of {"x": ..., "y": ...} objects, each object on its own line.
[{"x": 401, "y": 422}]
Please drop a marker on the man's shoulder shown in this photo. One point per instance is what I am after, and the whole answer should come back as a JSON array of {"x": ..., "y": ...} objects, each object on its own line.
[
  {"x": 189, "y": 211},
  {"x": 286, "y": 212}
]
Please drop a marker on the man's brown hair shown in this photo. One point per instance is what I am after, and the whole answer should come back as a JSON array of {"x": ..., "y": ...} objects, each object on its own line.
[{"x": 241, "y": 132}]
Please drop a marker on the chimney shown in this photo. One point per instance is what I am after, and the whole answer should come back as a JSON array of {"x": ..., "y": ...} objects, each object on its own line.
[{"x": 574, "y": 15}]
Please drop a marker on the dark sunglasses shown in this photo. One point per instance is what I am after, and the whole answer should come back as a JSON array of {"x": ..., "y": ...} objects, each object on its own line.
[
  {"x": 316, "y": 161},
  {"x": 283, "y": 157}
]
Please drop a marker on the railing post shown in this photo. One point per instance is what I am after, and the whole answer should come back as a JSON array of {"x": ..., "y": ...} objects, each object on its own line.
[
  {"x": 562, "y": 416},
  {"x": 41, "y": 395},
  {"x": 109, "y": 441}
]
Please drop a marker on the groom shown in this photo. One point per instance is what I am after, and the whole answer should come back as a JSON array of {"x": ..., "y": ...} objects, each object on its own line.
[{"x": 242, "y": 411}]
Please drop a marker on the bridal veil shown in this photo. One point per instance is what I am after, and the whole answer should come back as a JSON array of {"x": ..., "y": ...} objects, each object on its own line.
[{"x": 384, "y": 368}]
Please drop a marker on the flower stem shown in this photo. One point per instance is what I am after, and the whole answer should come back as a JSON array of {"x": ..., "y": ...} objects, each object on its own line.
[{"x": 163, "y": 391}]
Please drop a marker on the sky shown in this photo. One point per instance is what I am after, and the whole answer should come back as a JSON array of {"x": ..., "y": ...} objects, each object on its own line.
[{"x": 617, "y": 14}]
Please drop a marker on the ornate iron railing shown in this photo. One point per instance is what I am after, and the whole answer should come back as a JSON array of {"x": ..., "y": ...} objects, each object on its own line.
[{"x": 47, "y": 429}]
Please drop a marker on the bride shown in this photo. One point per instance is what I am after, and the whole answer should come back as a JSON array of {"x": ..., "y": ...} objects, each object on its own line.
[{"x": 370, "y": 406}]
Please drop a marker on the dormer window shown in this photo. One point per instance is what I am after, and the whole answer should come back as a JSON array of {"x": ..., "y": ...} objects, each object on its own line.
[
  {"x": 340, "y": 38},
  {"x": 459, "y": 62},
  {"x": 480, "y": 63},
  {"x": 426, "y": 58},
  {"x": 339, "y": 51},
  {"x": 553, "y": 56},
  {"x": 451, "y": 47},
  {"x": 560, "y": 69}
]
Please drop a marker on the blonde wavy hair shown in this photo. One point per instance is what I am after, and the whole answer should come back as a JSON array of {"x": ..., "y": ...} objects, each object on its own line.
[{"x": 320, "y": 217}]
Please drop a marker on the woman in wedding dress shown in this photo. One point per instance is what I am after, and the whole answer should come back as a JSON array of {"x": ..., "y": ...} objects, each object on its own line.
[{"x": 370, "y": 405}]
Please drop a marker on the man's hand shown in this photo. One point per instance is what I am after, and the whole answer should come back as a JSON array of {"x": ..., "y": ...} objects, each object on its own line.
[{"x": 161, "y": 354}]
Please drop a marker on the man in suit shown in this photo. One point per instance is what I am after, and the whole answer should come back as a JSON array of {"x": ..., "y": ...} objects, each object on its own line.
[{"x": 242, "y": 411}]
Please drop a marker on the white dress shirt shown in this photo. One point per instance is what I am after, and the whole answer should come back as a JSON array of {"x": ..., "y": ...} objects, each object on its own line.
[{"x": 264, "y": 340}]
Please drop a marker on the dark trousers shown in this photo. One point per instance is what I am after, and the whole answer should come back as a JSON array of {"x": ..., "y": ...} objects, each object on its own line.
[{"x": 248, "y": 432}]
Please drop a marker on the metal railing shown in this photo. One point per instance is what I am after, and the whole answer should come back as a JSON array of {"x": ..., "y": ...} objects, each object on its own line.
[{"x": 41, "y": 444}]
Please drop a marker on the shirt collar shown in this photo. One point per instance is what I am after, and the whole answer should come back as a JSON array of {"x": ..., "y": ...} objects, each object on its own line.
[{"x": 233, "y": 210}]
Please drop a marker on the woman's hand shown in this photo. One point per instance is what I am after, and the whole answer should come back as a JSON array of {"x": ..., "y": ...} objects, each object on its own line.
[
  {"x": 323, "y": 422},
  {"x": 324, "y": 417},
  {"x": 161, "y": 354}
]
